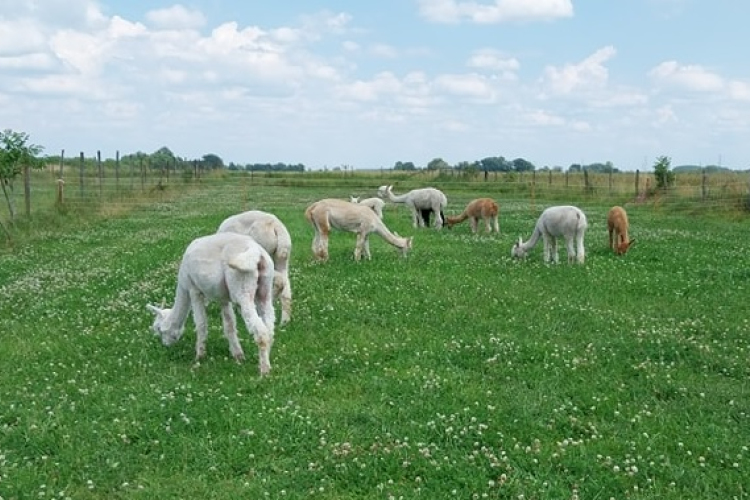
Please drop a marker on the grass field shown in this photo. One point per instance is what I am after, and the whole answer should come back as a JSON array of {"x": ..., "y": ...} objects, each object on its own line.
[{"x": 454, "y": 373}]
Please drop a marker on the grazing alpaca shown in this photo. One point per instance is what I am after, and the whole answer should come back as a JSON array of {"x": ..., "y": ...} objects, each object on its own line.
[
  {"x": 617, "y": 225},
  {"x": 376, "y": 204},
  {"x": 347, "y": 216},
  {"x": 485, "y": 208},
  {"x": 232, "y": 269},
  {"x": 557, "y": 222},
  {"x": 275, "y": 239},
  {"x": 421, "y": 202}
]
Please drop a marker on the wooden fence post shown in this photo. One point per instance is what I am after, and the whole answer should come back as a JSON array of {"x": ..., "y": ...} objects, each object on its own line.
[
  {"x": 704, "y": 185},
  {"x": 60, "y": 173},
  {"x": 80, "y": 174},
  {"x": 117, "y": 171},
  {"x": 27, "y": 189},
  {"x": 100, "y": 171},
  {"x": 637, "y": 183}
]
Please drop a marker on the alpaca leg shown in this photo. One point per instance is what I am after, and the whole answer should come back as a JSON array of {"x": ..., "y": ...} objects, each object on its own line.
[
  {"x": 570, "y": 246},
  {"x": 473, "y": 223},
  {"x": 496, "y": 224},
  {"x": 417, "y": 221},
  {"x": 285, "y": 296},
  {"x": 262, "y": 335},
  {"x": 580, "y": 251},
  {"x": 611, "y": 238},
  {"x": 547, "y": 247},
  {"x": 359, "y": 246},
  {"x": 264, "y": 299},
  {"x": 230, "y": 331},
  {"x": 439, "y": 217},
  {"x": 366, "y": 247},
  {"x": 554, "y": 253},
  {"x": 197, "y": 302}
]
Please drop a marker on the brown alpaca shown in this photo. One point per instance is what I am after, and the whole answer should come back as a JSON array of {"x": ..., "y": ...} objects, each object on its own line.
[
  {"x": 485, "y": 208},
  {"x": 617, "y": 225}
]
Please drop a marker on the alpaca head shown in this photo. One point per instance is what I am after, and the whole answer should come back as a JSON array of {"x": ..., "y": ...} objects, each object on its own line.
[
  {"x": 161, "y": 316},
  {"x": 406, "y": 244},
  {"x": 383, "y": 191},
  {"x": 354, "y": 199},
  {"x": 517, "y": 250},
  {"x": 622, "y": 248}
]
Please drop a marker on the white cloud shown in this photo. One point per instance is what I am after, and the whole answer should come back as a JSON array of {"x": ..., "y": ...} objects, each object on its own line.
[
  {"x": 739, "y": 91},
  {"x": 498, "y": 11},
  {"x": 467, "y": 85},
  {"x": 591, "y": 73},
  {"x": 691, "y": 77},
  {"x": 493, "y": 60},
  {"x": 175, "y": 17}
]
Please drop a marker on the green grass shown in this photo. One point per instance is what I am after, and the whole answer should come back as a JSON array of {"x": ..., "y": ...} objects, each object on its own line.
[{"x": 455, "y": 373}]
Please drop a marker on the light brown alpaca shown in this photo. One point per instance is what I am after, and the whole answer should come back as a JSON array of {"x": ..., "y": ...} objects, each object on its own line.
[
  {"x": 617, "y": 225},
  {"x": 485, "y": 208},
  {"x": 346, "y": 216}
]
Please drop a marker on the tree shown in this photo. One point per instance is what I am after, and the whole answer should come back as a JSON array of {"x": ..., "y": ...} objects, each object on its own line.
[
  {"x": 213, "y": 161},
  {"x": 523, "y": 165},
  {"x": 438, "y": 164},
  {"x": 663, "y": 173},
  {"x": 16, "y": 153},
  {"x": 404, "y": 166}
]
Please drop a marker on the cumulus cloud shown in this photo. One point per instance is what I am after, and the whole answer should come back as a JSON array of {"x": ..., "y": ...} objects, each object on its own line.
[
  {"x": 465, "y": 85},
  {"x": 175, "y": 17},
  {"x": 591, "y": 73},
  {"x": 498, "y": 11},
  {"x": 688, "y": 77}
]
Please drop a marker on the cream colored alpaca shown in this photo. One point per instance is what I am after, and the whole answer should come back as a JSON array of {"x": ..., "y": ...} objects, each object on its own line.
[
  {"x": 566, "y": 222},
  {"x": 346, "y": 216},
  {"x": 420, "y": 202},
  {"x": 232, "y": 269},
  {"x": 376, "y": 204},
  {"x": 618, "y": 225},
  {"x": 486, "y": 209},
  {"x": 273, "y": 236}
]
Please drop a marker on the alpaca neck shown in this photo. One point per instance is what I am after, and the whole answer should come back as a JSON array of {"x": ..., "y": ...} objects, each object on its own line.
[
  {"x": 388, "y": 236},
  {"x": 459, "y": 218},
  {"x": 397, "y": 199},
  {"x": 180, "y": 310},
  {"x": 531, "y": 243}
]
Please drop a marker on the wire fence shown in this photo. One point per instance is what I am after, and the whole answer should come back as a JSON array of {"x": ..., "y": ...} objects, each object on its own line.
[{"x": 109, "y": 189}]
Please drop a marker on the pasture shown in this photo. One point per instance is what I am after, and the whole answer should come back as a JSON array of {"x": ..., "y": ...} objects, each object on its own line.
[{"x": 454, "y": 373}]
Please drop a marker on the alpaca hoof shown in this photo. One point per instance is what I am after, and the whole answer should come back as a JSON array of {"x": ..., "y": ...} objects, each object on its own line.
[{"x": 239, "y": 357}]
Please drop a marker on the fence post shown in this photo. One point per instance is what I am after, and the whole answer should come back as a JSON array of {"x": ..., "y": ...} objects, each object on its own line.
[
  {"x": 704, "y": 184},
  {"x": 100, "y": 171},
  {"x": 80, "y": 174},
  {"x": 117, "y": 171},
  {"x": 60, "y": 173},
  {"x": 610, "y": 182},
  {"x": 27, "y": 189},
  {"x": 637, "y": 182}
]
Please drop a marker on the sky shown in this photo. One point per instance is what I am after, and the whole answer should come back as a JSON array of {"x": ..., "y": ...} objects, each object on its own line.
[{"x": 365, "y": 84}]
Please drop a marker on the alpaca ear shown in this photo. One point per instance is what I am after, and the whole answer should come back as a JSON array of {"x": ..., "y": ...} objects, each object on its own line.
[
  {"x": 520, "y": 241},
  {"x": 153, "y": 309}
]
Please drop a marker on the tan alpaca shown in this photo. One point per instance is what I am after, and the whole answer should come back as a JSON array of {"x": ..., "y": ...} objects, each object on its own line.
[
  {"x": 617, "y": 225},
  {"x": 346, "y": 216},
  {"x": 485, "y": 208}
]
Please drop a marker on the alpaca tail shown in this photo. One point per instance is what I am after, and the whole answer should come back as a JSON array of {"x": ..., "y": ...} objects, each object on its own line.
[{"x": 248, "y": 261}]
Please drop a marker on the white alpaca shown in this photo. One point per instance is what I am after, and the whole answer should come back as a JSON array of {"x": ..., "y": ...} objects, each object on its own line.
[
  {"x": 232, "y": 269},
  {"x": 376, "y": 204},
  {"x": 557, "y": 222},
  {"x": 419, "y": 200},
  {"x": 353, "y": 217},
  {"x": 273, "y": 236}
]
